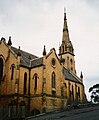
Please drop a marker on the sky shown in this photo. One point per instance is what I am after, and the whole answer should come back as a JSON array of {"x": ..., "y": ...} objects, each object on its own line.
[{"x": 35, "y": 23}]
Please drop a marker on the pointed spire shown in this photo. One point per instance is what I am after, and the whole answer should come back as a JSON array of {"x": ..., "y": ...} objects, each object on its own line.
[
  {"x": 66, "y": 45},
  {"x": 44, "y": 51},
  {"x": 65, "y": 37},
  {"x": 65, "y": 28},
  {"x": 66, "y": 50},
  {"x": 9, "y": 41},
  {"x": 19, "y": 53}
]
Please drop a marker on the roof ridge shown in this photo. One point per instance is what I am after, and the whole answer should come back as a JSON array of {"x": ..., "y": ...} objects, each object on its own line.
[
  {"x": 36, "y": 58},
  {"x": 24, "y": 51}
]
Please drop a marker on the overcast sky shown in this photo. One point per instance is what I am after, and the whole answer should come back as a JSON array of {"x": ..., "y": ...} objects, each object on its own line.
[{"x": 35, "y": 23}]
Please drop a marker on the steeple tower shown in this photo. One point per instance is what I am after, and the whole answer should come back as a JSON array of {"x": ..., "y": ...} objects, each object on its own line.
[{"x": 66, "y": 50}]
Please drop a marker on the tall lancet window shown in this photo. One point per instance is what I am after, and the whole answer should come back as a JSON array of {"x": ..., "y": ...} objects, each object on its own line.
[
  {"x": 35, "y": 77},
  {"x": 1, "y": 69},
  {"x": 63, "y": 49},
  {"x": 35, "y": 82},
  {"x": 25, "y": 83},
  {"x": 12, "y": 71},
  {"x": 72, "y": 92},
  {"x": 53, "y": 80},
  {"x": 79, "y": 91}
]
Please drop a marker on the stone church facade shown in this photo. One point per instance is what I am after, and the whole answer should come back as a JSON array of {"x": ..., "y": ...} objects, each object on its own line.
[{"x": 42, "y": 83}]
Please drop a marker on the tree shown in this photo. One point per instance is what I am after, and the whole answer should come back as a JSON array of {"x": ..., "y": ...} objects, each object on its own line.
[{"x": 94, "y": 93}]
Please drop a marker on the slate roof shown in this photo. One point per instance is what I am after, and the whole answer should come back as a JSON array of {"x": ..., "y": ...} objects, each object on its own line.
[
  {"x": 37, "y": 62},
  {"x": 28, "y": 59},
  {"x": 70, "y": 76}
]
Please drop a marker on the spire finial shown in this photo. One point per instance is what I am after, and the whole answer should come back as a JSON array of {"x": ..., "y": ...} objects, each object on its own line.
[
  {"x": 64, "y": 10},
  {"x": 19, "y": 53},
  {"x": 64, "y": 13},
  {"x": 81, "y": 76},
  {"x": 44, "y": 51},
  {"x": 9, "y": 41}
]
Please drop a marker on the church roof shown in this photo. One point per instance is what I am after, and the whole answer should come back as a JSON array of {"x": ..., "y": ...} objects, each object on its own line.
[
  {"x": 25, "y": 57},
  {"x": 70, "y": 76},
  {"x": 37, "y": 62},
  {"x": 29, "y": 60}
]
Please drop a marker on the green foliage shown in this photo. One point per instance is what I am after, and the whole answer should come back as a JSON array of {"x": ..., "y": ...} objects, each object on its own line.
[{"x": 94, "y": 93}]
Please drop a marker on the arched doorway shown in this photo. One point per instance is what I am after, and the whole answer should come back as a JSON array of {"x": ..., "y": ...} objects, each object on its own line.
[{"x": 35, "y": 111}]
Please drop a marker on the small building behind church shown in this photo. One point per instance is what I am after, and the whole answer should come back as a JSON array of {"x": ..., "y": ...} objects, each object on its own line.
[{"x": 42, "y": 83}]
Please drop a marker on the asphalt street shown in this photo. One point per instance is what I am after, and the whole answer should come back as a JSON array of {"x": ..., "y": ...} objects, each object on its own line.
[{"x": 91, "y": 113}]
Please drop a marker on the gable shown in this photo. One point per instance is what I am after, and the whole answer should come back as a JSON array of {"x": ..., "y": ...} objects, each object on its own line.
[
  {"x": 52, "y": 56},
  {"x": 3, "y": 49}
]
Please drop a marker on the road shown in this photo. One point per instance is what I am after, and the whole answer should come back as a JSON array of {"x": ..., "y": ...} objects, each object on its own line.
[{"x": 91, "y": 113}]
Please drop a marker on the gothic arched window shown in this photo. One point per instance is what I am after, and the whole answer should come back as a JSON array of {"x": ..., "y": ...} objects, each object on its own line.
[
  {"x": 72, "y": 92},
  {"x": 35, "y": 77},
  {"x": 71, "y": 68},
  {"x": 79, "y": 91},
  {"x": 25, "y": 82},
  {"x": 1, "y": 69},
  {"x": 12, "y": 71},
  {"x": 35, "y": 83},
  {"x": 53, "y": 80},
  {"x": 63, "y": 49},
  {"x": 71, "y": 61}
]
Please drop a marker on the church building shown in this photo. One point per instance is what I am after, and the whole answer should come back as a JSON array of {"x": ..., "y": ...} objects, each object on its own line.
[{"x": 42, "y": 83}]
